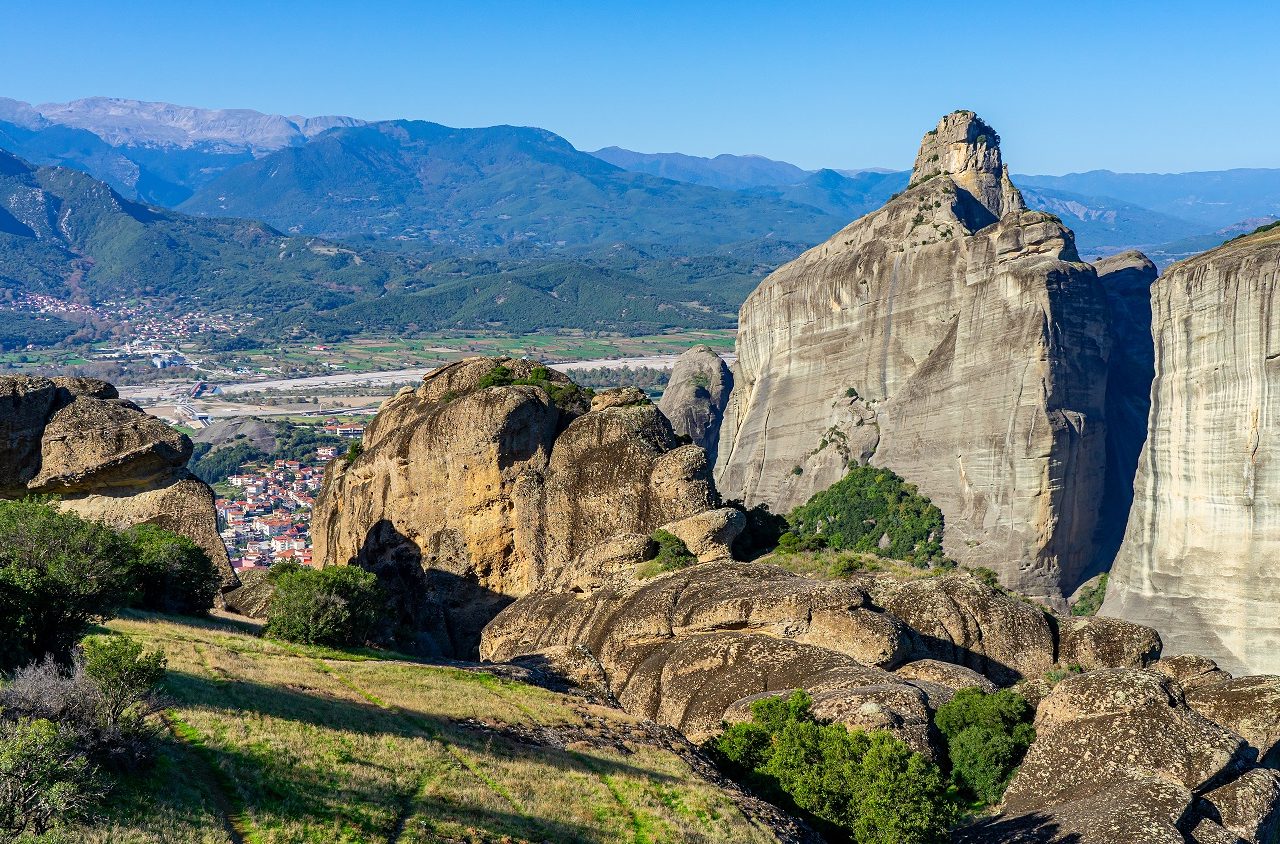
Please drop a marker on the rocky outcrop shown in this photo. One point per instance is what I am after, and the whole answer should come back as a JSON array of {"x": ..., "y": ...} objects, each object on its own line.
[
  {"x": 472, "y": 491},
  {"x": 1196, "y": 562},
  {"x": 692, "y": 647},
  {"x": 696, "y": 397},
  {"x": 1120, "y": 756},
  {"x": 104, "y": 458},
  {"x": 952, "y": 336}
]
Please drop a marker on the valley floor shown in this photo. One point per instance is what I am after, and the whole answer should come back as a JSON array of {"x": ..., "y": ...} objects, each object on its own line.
[{"x": 269, "y": 742}]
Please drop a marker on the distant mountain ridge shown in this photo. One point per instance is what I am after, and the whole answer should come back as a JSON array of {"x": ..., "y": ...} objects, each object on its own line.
[
  {"x": 123, "y": 122},
  {"x": 496, "y": 186}
]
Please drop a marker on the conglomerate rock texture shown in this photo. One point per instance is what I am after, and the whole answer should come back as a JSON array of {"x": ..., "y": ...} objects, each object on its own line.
[
  {"x": 1198, "y": 561},
  {"x": 1124, "y": 755},
  {"x": 952, "y": 336},
  {"x": 104, "y": 459},
  {"x": 468, "y": 496},
  {"x": 696, "y": 397},
  {"x": 695, "y": 646}
]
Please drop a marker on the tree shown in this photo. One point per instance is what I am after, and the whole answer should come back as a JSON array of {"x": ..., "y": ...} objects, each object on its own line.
[
  {"x": 174, "y": 575},
  {"x": 869, "y": 788},
  {"x": 58, "y": 574},
  {"x": 43, "y": 779},
  {"x": 332, "y": 606},
  {"x": 126, "y": 677},
  {"x": 987, "y": 735}
]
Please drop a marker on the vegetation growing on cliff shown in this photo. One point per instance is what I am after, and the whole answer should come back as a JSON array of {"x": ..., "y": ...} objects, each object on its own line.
[
  {"x": 669, "y": 554},
  {"x": 871, "y": 510},
  {"x": 868, "y": 788},
  {"x": 565, "y": 395}
]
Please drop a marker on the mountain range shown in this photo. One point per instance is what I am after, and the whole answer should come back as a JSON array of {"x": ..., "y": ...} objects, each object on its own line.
[{"x": 372, "y": 226}]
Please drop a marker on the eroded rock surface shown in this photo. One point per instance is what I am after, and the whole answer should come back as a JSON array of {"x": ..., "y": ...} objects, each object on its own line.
[
  {"x": 1119, "y": 755},
  {"x": 467, "y": 496},
  {"x": 1197, "y": 559},
  {"x": 952, "y": 336},
  {"x": 104, "y": 458},
  {"x": 696, "y": 396}
]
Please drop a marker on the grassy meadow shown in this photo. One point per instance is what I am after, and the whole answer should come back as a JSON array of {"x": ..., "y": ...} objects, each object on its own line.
[{"x": 265, "y": 743}]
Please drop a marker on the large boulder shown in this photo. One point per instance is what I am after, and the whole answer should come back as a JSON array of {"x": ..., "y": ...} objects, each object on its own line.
[
  {"x": 1090, "y": 643},
  {"x": 1205, "y": 524},
  {"x": 104, "y": 458},
  {"x": 959, "y": 619},
  {"x": 1248, "y": 706},
  {"x": 953, "y": 336},
  {"x": 696, "y": 396},
  {"x": 1118, "y": 756},
  {"x": 469, "y": 494}
]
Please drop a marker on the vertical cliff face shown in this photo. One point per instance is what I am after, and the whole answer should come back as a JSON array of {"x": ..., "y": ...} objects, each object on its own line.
[
  {"x": 1199, "y": 555},
  {"x": 1126, "y": 281},
  {"x": 952, "y": 336}
]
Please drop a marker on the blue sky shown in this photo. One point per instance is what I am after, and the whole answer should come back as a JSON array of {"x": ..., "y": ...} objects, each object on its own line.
[{"x": 1070, "y": 86}]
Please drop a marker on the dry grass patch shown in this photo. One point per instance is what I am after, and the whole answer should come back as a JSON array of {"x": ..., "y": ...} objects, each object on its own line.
[{"x": 271, "y": 743}]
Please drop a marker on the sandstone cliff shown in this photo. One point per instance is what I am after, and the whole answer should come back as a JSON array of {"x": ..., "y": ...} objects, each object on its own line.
[
  {"x": 1197, "y": 561},
  {"x": 467, "y": 496},
  {"x": 952, "y": 336},
  {"x": 104, "y": 458},
  {"x": 696, "y": 397}
]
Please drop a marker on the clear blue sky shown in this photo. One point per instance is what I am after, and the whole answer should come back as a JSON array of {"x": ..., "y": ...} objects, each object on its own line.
[{"x": 1141, "y": 85}]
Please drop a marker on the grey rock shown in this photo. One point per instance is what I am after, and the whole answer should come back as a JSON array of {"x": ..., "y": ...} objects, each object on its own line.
[
  {"x": 696, "y": 397},
  {"x": 952, "y": 336},
  {"x": 1205, "y": 524}
]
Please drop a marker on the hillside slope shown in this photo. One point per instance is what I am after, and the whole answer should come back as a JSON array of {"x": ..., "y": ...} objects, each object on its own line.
[
  {"x": 479, "y": 188},
  {"x": 275, "y": 742}
]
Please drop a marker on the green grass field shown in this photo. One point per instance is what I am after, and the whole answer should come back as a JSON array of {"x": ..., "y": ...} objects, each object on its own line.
[{"x": 270, "y": 743}]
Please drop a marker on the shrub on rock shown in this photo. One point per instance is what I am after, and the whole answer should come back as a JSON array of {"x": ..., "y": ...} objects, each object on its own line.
[
  {"x": 869, "y": 788},
  {"x": 871, "y": 510},
  {"x": 987, "y": 734}
]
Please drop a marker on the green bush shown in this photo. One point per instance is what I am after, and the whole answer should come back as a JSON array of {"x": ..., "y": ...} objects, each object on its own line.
[
  {"x": 669, "y": 554},
  {"x": 565, "y": 395},
  {"x": 174, "y": 575},
  {"x": 126, "y": 678},
  {"x": 866, "y": 505},
  {"x": 58, "y": 574},
  {"x": 44, "y": 780},
  {"x": 1091, "y": 599},
  {"x": 868, "y": 788},
  {"x": 987, "y": 734},
  {"x": 331, "y": 606}
]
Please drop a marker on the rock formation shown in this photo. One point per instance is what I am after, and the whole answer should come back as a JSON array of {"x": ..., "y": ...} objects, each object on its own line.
[
  {"x": 1126, "y": 281},
  {"x": 104, "y": 458},
  {"x": 696, "y": 646},
  {"x": 467, "y": 496},
  {"x": 1124, "y": 755},
  {"x": 696, "y": 396},
  {"x": 952, "y": 336},
  {"x": 1197, "y": 562}
]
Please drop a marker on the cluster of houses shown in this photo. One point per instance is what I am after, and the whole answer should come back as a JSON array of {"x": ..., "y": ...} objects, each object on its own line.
[{"x": 269, "y": 521}]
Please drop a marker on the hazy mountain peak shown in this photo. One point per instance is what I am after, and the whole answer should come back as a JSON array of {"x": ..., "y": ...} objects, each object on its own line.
[{"x": 120, "y": 121}]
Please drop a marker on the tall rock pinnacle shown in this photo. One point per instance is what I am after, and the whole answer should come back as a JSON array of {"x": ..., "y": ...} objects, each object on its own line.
[
  {"x": 952, "y": 336},
  {"x": 968, "y": 150}
]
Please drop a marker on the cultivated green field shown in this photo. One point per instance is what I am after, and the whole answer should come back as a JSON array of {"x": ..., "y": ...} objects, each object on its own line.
[{"x": 272, "y": 743}]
